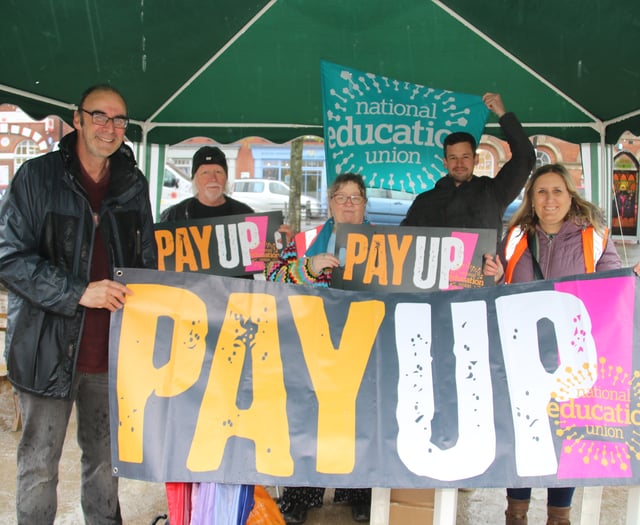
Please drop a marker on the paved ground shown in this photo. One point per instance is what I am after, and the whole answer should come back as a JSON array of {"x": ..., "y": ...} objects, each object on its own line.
[
  {"x": 629, "y": 253},
  {"x": 142, "y": 501}
]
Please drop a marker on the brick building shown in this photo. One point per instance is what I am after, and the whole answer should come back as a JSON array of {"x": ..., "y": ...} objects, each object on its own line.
[{"x": 22, "y": 138}]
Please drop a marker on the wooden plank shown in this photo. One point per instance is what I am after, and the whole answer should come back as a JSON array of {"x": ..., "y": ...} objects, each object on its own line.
[
  {"x": 446, "y": 506},
  {"x": 380, "y": 506},
  {"x": 633, "y": 506},
  {"x": 591, "y": 501}
]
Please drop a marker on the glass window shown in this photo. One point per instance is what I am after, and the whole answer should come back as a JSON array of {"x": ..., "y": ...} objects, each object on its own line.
[
  {"x": 542, "y": 158},
  {"x": 312, "y": 174},
  {"x": 278, "y": 189},
  {"x": 183, "y": 164},
  {"x": 312, "y": 171},
  {"x": 25, "y": 150},
  {"x": 624, "y": 162},
  {"x": 277, "y": 170},
  {"x": 377, "y": 192},
  {"x": 170, "y": 180},
  {"x": 271, "y": 172},
  {"x": 484, "y": 168},
  {"x": 402, "y": 195}
]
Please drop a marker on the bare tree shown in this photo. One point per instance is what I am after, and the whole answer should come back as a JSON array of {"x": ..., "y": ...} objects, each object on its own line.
[{"x": 293, "y": 218}]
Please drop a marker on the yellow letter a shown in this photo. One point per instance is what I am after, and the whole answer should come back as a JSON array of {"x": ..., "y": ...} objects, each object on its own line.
[{"x": 250, "y": 326}]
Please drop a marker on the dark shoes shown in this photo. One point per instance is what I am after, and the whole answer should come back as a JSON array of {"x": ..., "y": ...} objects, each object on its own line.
[
  {"x": 361, "y": 512},
  {"x": 295, "y": 514}
]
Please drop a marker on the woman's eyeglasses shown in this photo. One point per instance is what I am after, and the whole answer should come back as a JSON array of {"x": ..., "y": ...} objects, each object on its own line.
[{"x": 356, "y": 200}]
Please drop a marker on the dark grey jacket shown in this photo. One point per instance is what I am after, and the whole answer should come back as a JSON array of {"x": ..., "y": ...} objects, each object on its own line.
[
  {"x": 47, "y": 230},
  {"x": 480, "y": 202}
]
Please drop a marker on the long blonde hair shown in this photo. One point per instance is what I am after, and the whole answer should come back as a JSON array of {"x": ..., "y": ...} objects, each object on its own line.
[{"x": 582, "y": 212}]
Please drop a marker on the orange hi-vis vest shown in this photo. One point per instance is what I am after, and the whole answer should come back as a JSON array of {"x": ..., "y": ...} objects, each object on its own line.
[{"x": 593, "y": 245}]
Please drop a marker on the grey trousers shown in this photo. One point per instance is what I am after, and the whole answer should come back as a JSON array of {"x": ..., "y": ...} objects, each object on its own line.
[{"x": 44, "y": 425}]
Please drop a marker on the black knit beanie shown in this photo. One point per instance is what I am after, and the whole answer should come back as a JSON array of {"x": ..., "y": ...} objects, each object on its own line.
[{"x": 208, "y": 155}]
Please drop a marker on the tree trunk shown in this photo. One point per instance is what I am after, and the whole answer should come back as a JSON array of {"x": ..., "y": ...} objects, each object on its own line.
[{"x": 293, "y": 219}]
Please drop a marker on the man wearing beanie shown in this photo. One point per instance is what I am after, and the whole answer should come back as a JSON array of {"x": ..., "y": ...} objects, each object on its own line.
[{"x": 209, "y": 175}]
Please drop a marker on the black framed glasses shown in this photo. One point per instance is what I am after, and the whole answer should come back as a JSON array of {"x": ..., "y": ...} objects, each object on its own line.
[
  {"x": 101, "y": 119},
  {"x": 356, "y": 200}
]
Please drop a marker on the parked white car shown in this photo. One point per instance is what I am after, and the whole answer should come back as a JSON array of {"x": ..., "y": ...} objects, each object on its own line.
[
  {"x": 175, "y": 188},
  {"x": 387, "y": 207},
  {"x": 265, "y": 195}
]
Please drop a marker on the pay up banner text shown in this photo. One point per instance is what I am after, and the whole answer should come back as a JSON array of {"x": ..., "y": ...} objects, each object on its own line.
[
  {"x": 232, "y": 245},
  {"x": 242, "y": 381},
  {"x": 404, "y": 259}
]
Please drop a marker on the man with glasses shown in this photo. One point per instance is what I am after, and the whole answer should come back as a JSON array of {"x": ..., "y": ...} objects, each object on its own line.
[
  {"x": 68, "y": 219},
  {"x": 101, "y": 119}
]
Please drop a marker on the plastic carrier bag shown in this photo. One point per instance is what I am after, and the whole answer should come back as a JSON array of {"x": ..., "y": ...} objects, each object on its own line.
[{"x": 265, "y": 511}]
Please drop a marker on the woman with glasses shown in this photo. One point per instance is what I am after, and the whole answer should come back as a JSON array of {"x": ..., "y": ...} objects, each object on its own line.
[{"x": 347, "y": 200}]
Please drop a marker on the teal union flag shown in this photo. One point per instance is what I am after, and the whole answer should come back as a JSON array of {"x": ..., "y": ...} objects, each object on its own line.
[{"x": 391, "y": 131}]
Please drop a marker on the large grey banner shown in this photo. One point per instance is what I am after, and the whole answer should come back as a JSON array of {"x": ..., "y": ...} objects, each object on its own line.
[{"x": 233, "y": 380}]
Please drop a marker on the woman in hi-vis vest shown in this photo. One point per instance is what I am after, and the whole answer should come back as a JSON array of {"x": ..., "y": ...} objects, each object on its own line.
[{"x": 554, "y": 233}]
